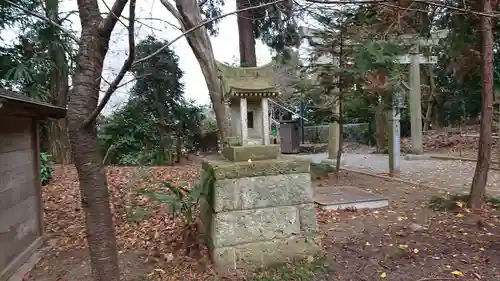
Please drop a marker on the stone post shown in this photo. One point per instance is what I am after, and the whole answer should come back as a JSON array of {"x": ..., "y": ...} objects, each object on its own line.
[
  {"x": 265, "y": 121},
  {"x": 415, "y": 103},
  {"x": 244, "y": 121},
  {"x": 333, "y": 134},
  {"x": 393, "y": 118}
]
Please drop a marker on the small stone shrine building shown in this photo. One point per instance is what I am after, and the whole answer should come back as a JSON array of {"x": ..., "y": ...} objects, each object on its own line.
[
  {"x": 21, "y": 212},
  {"x": 257, "y": 205},
  {"x": 248, "y": 91}
]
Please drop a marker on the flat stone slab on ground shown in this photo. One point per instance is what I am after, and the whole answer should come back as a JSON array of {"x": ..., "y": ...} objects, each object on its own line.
[
  {"x": 417, "y": 157},
  {"x": 342, "y": 197}
]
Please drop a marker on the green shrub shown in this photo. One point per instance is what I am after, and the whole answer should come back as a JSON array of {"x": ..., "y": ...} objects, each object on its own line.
[{"x": 45, "y": 168}]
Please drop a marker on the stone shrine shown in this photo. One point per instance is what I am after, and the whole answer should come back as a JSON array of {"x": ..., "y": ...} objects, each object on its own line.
[
  {"x": 257, "y": 206},
  {"x": 248, "y": 89}
]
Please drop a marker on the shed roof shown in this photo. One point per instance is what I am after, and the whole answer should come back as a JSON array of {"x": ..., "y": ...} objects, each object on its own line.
[{"x": 20, "y": 103}]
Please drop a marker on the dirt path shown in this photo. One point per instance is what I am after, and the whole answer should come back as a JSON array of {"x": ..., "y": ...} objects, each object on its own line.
[{"x": 446, "y": 175}]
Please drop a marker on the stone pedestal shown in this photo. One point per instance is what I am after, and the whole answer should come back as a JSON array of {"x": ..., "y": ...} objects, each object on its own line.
[{"x": 258, "y": 213}]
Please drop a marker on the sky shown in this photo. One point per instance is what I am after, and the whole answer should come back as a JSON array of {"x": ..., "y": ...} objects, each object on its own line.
[
  {"x": 225, "y": 46},
  {"x": 152, "y": 18}
]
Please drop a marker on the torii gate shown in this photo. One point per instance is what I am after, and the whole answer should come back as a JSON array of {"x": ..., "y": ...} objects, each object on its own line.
[{"x": 414, "y": 59}]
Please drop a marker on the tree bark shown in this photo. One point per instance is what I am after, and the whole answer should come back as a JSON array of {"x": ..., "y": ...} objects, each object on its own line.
[
  {"x": 430, "y": 100},
  {"x": 477, "y": 192},
  {"x": 93, "y": 46},
  {"x": 57, "y": 132},
  {"x": 188, "y": 15},
  {"x": 248, "y": 55},
  {"x": 178, "y": 147},
  {"x": 436, "y": 117},
  {"x": 59, "y": 146}
]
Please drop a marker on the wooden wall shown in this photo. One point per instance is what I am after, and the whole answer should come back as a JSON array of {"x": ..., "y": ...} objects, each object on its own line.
[{"x": 20, "y": 192}]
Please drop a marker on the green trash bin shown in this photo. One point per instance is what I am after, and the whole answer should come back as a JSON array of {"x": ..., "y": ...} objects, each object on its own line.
[{"x": 274, "y": 131}]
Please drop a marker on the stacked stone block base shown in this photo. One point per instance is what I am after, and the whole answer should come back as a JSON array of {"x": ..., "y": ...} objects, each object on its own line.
[{"x": 259, "y": 213}]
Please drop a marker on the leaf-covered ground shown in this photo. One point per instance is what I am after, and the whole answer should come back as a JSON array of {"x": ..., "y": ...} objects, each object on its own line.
[{"x": 406, "y": 241}]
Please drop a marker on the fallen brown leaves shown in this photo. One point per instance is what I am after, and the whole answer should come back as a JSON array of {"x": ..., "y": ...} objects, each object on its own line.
[
  {"x": 141, "y": 225},
  {"x": 409, "y": 242},
  {"x": 403, "y": 242},
  {"x": 456, "y": 141}
]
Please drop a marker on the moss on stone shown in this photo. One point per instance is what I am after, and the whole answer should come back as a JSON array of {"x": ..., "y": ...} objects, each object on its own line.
[
  {"x": 225, "y": 169},
  {"x": 253, "y": 152}
]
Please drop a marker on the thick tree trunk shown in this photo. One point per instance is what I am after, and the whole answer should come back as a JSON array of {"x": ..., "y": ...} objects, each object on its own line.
[
  {"x": 477, "y": 192},
  {"x": 57, "y": 133},
  {"x": 188, "y": 15},
  {"x": 248, "y": 55},
  {"x": 58, "y": 140},
  {"x": 436, "y": 117},
  {"x": 85, "y": 145}
]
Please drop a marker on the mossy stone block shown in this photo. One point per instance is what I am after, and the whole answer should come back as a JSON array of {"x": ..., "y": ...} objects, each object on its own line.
[
  {"x": 222, "y": 168},
  {"x": 253, "y": 152},
  {"x": 266, "y": 253}
]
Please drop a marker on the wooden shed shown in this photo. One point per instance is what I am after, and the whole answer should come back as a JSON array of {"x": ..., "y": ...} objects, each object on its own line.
[{"x": 21, "y": 213}]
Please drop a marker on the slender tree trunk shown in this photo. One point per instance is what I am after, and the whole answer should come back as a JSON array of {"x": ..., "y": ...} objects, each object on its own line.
[
  {"x": 248, "y": 55},
  {"x": 341, "y": 137},
  {"x": 57, "y": 132},
  {"x": 178, "y": 148},
  {"x": 477, "y": 192},
  {"x": 430, "y": 100},
  {"x": 164, "y": 130},
  {"x": 83, "y": 100},
  {"x": 165, "y": 142}
]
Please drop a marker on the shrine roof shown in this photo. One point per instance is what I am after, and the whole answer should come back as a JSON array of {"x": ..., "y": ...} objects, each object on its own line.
[{"x": 242, "y": 80}]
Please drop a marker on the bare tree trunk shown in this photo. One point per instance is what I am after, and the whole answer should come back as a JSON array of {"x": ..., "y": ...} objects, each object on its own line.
[
  {"x": 436, "y": 117},
  {"x": 57, "y": 133},
  {"x": 430, "y": 100},
  {"x": 178, "y": 148},
  {"x": 188, "y": 15},
  {"x": 85, "y": 147},
  {"x": 477, "y": 192},
  {"x": 248, "y": 56},
  {"x": 93, "y": 46},
  {"x": 165, "y": 143},
  {"x": 341, "y": 137}
]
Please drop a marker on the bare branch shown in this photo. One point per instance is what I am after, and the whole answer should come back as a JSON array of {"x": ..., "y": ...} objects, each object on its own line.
[
  {"x": 125, "y": 68},
  {"x": 197, "y": 26},
  {"x": 108, "y": 23},
  {"x": 163, "y": 21},
  {"x": 44, "y": 18},
  {"x": 432, "y": 3},
  {"x": 174, "y": 12},
  {"x": 112, "y": 13}
]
